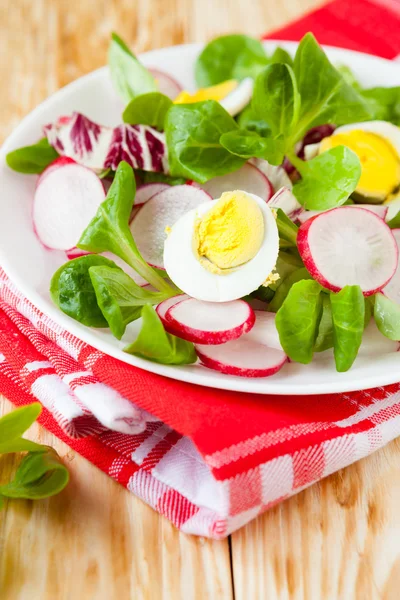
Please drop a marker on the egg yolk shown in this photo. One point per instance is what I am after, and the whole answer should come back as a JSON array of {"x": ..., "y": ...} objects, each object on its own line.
[
  {"x": 230, "y": 233},
  {"x": 215, "y": 92},
  {"x": 380, "y": 166}
]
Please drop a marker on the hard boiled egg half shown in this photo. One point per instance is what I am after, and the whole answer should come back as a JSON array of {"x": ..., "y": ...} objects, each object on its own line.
[
  {"x": 377, "y": 144},
  {"x": 232, "y": 95},
  {"x": 224, "y": 249}
]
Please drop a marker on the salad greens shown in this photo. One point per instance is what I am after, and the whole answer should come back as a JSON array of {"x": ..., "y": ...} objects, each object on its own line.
[
  {"x": 40, "y": 473},
  {"x": 248, "y": 120},
  {"x": 193, "y": 133},
  {"x": 324, "y": 339},
  {"x": 348, "y": 312},
  {"x": 147, "y": 109},
  {"x": 285, "y": 287},
  {"x": 249, "y": 144},
  {"x": 387, "y": 317},
  {"x": 230, "y": 57},
  {"x": 129, "y": 76},
  {"x": 154, "y": 343},
  {"x": 32, "y": 159}
]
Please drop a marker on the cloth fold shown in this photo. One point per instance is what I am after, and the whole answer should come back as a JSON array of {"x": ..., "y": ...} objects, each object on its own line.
[{"x": 209, "y": 460}]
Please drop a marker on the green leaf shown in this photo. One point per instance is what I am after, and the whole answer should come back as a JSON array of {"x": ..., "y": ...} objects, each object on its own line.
[
  {"x": 384, "y": 103},
  {"x": 129, "y": 76},
  {"x": 276, "y": 99},
  {"x": 119, "y": 298},
  {"x": 15, "y": 423},
  {"x": 387, "y": 317},
  {"x": 40, "y": 475},
  {"x": 109, "y": 230},
  {"x": 286, "y": 228},
  {"x": 298, "y": 319},
  {"x": 229, "y": 57},
  {"x": 285, "y": 287},
  {"x": 147, "y": 109},
  {"x": 19, "y": 445},
  {"x": 348, "y": 311},
  {"x": 280, "y": 55},
  {"x": 32, "y": 159},
  {"x": 248, "y": 144},
  {"x": 193, "y": 133},
  {"x": 153, "y": 177},
  {"x": 324, "y": 339},
  {"x": 328, "y": 179},
  {"x": 154, "y": 343},
  {"x": 248, "y": 120},
  {"x": 325, "y": 95},
  {"x": 72, "y": 291},
  {"x": 394, "y": 223},
  {"x": 349, "y": 77}
]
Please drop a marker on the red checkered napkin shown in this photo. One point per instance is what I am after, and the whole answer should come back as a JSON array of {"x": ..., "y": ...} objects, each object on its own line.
[{"x": 209, "y": 460}]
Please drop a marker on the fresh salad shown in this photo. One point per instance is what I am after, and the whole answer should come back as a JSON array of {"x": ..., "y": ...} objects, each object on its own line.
[{"x": 247, "y": 223}]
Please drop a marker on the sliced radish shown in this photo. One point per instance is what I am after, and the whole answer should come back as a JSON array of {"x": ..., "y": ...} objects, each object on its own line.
[
  {"x": 242, "y": 357},
  {"x": 75, "y": 253},
  {"x": 248, "y": 178},
  {"x": 392, "y": 289},
  {"x": 378, "y": 209},
  {"x": 164, "y": 306},
  {"x": 162, "y": 211},
  {"x": 64, "y": 204},
  {"x": 348, "y": 246},
  {"x": 167, "y": 85},
  {"x": 264, "y": 330},
  {"x": 147, "y": 191},
  {"x": 61, "y": 161},
  {"x": 210, "y": 322},
  {"x": 287, "y": 201},
  {"x": 277, "y": 176}
]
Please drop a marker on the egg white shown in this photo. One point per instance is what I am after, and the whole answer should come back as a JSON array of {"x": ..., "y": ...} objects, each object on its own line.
[{"x": 186, "y": 271}]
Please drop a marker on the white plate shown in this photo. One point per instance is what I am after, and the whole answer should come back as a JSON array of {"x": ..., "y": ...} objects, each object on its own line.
[{"x": 31, "y": 266}]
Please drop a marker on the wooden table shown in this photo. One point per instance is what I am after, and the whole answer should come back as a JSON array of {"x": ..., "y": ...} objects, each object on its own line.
[{"x": 339, "y": 539}]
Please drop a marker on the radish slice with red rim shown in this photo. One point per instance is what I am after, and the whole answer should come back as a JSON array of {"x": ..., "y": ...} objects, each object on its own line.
[
  {"x": 392, "y": 289},
  {"x": 210, "y": 322},
  {"x": 379, "y": 209},
  {"x": 248, "y": 178},
  {"x": 277, "y": 176},
  {"x": 167, "y": 85},
  {"x": 287, "y": 201},
  {"x": 65, "y": 202},
  {"x": 147, "y": 191},
  {"x": 264, "y": 330},
  {"x": 61, "y": 161},
  {"x": 242, "y": 357},
  {"x": 163, "y": 307},
  {"x": 161, "y": 211},
  {"x": 348, "y": 246}
]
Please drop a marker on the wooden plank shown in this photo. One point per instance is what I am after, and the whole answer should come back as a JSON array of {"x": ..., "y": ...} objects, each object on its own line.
[{"x": 338, "y": 539}]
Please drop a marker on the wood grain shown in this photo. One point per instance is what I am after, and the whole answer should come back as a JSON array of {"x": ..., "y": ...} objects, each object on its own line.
[{"x": 337, "y": 540}]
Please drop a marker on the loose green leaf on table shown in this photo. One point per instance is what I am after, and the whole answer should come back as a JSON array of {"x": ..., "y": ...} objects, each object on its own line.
[
  {"x": 15, "y": 423},
  {"x": 348, "y": 313},
  {"x": 154, "y": 343},
  {"x": 147, "y": 109},
  {"x": 119, "y": 298},
  {"x": 40, "y": 475},
  {"x": 129, "y": 76},
  {"x": 230, "y": 57},
  {"x": 109, "y": 229},
  {"x": 387, "y": 317},
  {"x": 193, "y": 133},
  {"x": 298, "y": 319},
  {"x": 32, "y": 159},
  {"x": 324, "y": 339},
  {"x": 248, "y": 144},
  {"x": 328, "y": 179},
  {"x": 285, "y": 287}
]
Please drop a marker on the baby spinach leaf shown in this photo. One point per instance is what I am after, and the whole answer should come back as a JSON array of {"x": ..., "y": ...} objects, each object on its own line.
[
  {"x": 248, "y": 144},
  {"x": 229, "y": 57},
  {"x": 109, "y": 228},
  {"x": 276, "y": 99},
  {"x": 129, "y": 76},
  {"x": 19, "y": 445},
  {"x": 394, "y": 223},
  {"x": 72, "y": 290},
  {"x": 286, "y": 228},
  {"x": 325, "y": 95},
  {"x": 193, "y": 132},
  {"x": 15, "y": 423},
  {"x": 280, "y": 55},
  {"x": 328, "y": 179},
  {"x": 147, "y": 109},
  {"x": 120, "y": 299},
  {"x": 298, "y": 319},
  {"x": 154, "y": 343},
  {"x": 32, "y": 159},
  {"x": 348, "y": 312},
  {"x": 349, "y": 77},
  {"x": 387, "y": 317},
  {"x": 40, "y": 475},
  {"x": 384, "y": 103},
  {"x": 153, "y": 177},
  {"x": 248, "y": 120},
  {"x": 285, "y": 287},
  {"x": 324, "y": 339}
]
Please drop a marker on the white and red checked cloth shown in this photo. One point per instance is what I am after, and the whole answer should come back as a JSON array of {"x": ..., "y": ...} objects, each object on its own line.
[{"x": 209, "y": 460}]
